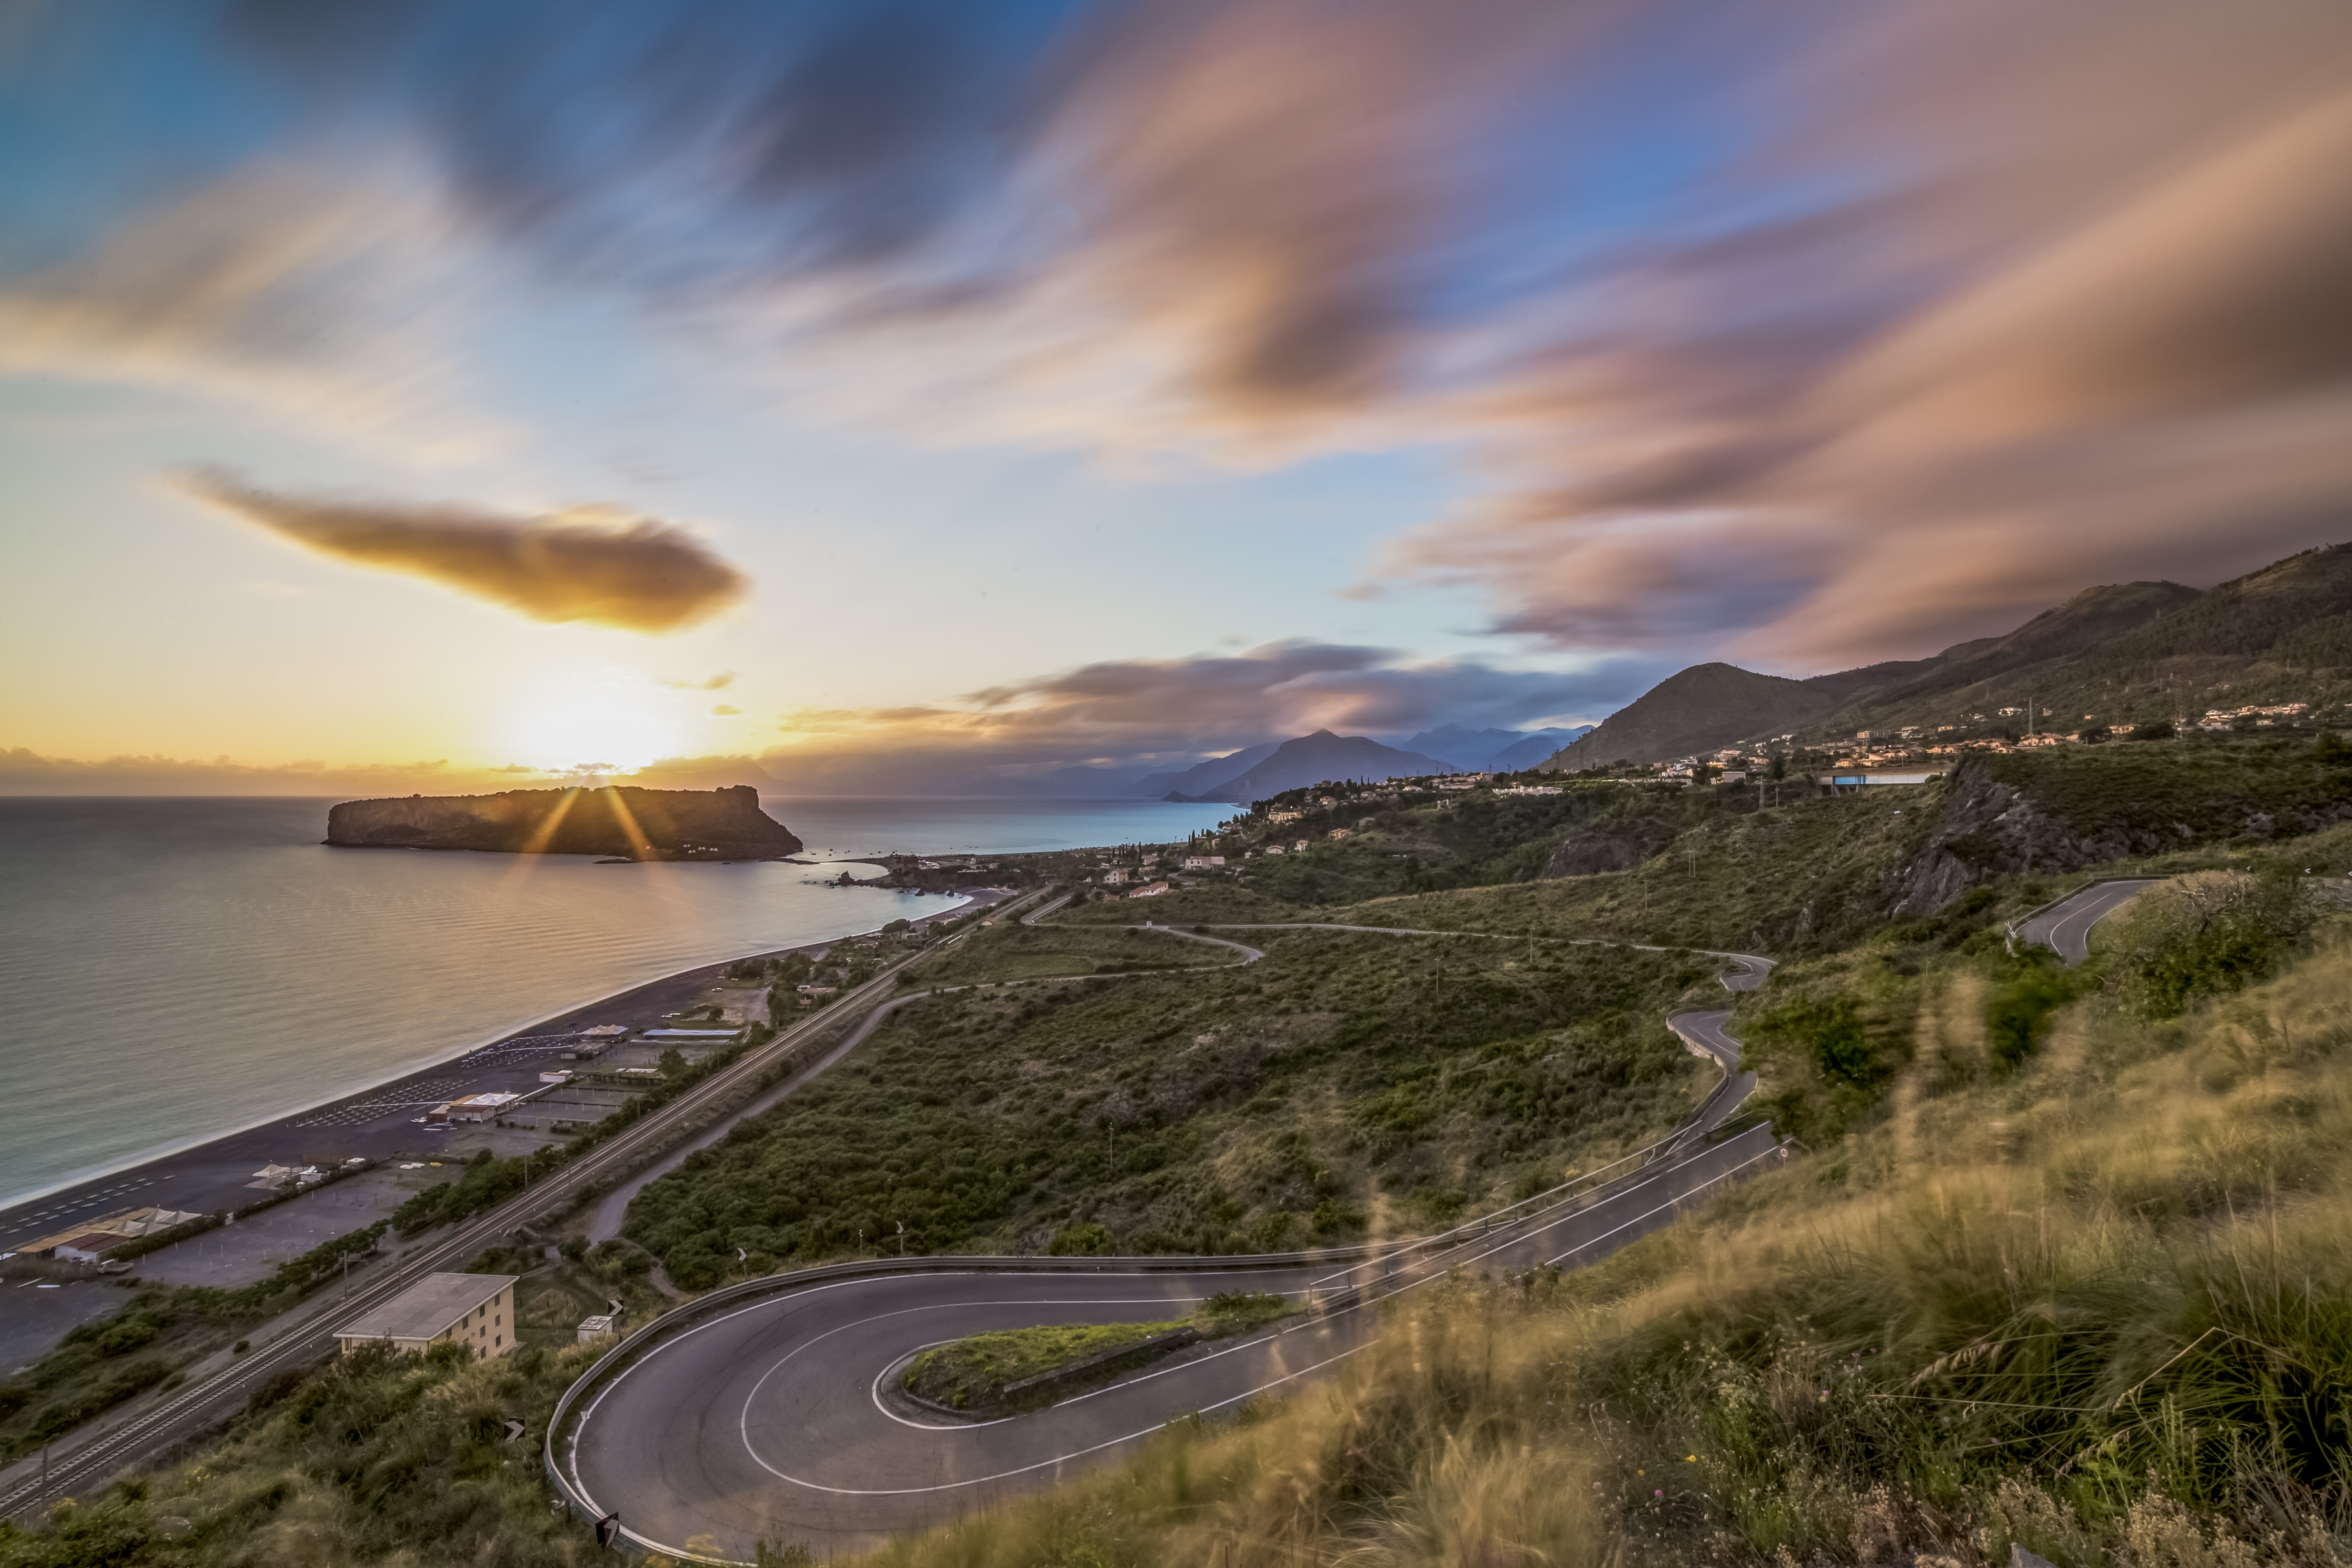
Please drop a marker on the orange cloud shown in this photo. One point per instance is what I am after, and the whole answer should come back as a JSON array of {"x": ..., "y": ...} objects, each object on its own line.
[{"x": 635, "y": 573}]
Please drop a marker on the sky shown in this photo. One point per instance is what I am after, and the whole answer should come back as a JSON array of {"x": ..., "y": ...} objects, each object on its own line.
[{"x": 927, "y": 397}]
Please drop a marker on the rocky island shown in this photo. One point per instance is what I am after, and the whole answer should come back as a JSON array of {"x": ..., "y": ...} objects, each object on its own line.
[{"x": 621, "y": 821}]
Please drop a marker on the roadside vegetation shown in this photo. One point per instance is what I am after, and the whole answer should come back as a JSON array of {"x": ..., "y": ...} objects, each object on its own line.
[
  {"x": 1346, "y": 1085},
  {"x": 1026, "y": 952},
  {"x": 2097, "y": 1304},
  {"x": 1014, "y": 1369}
]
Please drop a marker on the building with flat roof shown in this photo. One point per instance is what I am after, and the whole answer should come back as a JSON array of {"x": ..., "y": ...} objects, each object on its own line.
[
  {"x": 476, "y": 1309},
  {"x": 1847, "y": 782}
]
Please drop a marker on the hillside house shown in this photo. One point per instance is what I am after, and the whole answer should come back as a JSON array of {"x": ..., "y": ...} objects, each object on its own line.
[{"x": 474, "y": 1310}]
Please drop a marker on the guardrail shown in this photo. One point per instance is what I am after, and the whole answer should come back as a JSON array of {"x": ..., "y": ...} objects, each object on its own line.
[
  {"x": 627, "y": 1352},
  {"x": 1587, "y": 1185},
  {"x": 1587, "y": 1189},
  {"x": 2009, "y": 931}
]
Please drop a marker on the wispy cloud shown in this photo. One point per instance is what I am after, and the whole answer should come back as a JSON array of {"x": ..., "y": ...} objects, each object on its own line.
[
  {"x": 327, "y": 296},
  {"x": 1815, "y": 332},
  {"x": 719, "y": 682},
  {"x": 593, "y": 565}
]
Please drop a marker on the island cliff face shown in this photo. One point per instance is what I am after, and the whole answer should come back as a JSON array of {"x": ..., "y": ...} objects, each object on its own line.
[{"x": 635, "y": 824}]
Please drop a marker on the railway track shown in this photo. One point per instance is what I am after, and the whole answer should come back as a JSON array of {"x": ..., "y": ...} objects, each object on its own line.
[{"x": 207, "y": 1400}]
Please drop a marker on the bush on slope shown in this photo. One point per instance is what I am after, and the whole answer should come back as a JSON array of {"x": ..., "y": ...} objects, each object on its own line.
[
  {"x": 2102, "y": 1309},
  {"x": 1344, "y": 1082}
]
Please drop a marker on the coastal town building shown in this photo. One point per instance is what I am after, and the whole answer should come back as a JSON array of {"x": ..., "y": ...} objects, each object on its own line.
[
  {"x": 1153, "y": 892},
  {"x": 473, "y": 1309},
  {"x": 1848, "y": 783},
  {"x": 601, "y": 1326}
]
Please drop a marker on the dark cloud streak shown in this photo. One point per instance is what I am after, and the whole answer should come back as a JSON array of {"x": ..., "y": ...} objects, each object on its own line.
[{"x": 636, "y": 573}]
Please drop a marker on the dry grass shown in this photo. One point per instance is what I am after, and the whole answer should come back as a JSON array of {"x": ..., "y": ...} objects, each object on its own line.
[{"x": 2103, "y": 1309}]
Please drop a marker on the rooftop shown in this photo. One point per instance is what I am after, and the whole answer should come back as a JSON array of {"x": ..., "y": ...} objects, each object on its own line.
[{"x": 426, "y": 1308}]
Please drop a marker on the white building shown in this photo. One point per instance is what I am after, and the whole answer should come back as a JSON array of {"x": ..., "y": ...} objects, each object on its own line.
[
  {"x": 474, "y": 1310},
  {"x": 471, "y": 1108},
  {"x": 1847, "y": 783}
]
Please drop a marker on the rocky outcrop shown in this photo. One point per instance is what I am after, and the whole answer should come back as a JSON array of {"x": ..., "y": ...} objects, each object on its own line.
[{"x": 625, "y": 822}]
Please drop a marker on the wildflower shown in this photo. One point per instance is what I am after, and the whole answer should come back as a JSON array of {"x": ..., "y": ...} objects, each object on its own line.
[
  {"x": 1691, "y": 1459},
  {"x": 1657, "y": 1491}
]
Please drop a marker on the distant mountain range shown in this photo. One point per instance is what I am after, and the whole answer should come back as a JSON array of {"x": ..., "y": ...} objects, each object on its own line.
[
  {"x": 1312, "y": 760},
  {"x": 2120, "y": 655},
  {"x": 1491, "y": 751},
  {"x": 1251, "y": 772}
]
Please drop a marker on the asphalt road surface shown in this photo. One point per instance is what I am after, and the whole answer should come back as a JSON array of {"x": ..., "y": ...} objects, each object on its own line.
[
  {"x": 2066, "y": 924},
  {"x": 768, "y": 1422}
]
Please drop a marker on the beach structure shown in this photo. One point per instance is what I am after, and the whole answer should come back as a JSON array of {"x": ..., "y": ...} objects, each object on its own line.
[
  {"x": 93, "y": 1246},
  {"x": 470, "y": 1108},
  {"x": 473, "y": 1309}
]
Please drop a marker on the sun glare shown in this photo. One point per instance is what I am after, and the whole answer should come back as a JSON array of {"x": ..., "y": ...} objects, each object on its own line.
[{"x": 605, "y": 728}]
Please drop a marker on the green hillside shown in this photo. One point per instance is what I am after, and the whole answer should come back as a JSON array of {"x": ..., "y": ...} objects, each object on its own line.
[
  {"x": 2059, "y": 1260},
  {"x": 2280, "y": 634}
]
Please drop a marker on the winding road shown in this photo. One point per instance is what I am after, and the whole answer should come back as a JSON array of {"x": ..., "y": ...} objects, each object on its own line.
[
  {"x": 2065, "y": 925},
  {"x": 759, "y": 1414}
]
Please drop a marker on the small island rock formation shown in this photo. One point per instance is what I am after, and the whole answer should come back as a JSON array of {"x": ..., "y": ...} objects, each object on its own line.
[{"x": 620, "y": 821}]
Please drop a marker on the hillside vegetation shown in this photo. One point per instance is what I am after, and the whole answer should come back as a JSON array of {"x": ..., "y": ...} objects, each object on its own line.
[
  {"x": 2061, "y": 1260},
  {"x": 1344, "y": 1084},
  {"x": 2100, "y": 1306}
]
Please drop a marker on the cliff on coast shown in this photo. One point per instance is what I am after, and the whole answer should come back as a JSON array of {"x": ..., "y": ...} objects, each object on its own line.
[{"x": 635, "y": 824}]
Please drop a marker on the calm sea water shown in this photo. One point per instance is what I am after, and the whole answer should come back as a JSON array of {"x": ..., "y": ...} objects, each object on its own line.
[{"x": 172, "y": 970}]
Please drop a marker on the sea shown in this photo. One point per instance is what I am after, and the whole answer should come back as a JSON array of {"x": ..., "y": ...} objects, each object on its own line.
[{"x": 172, "y": 970}]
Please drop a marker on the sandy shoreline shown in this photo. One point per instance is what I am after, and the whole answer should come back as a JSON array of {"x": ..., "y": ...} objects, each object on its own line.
[{"x": 210, "y": 1170}]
